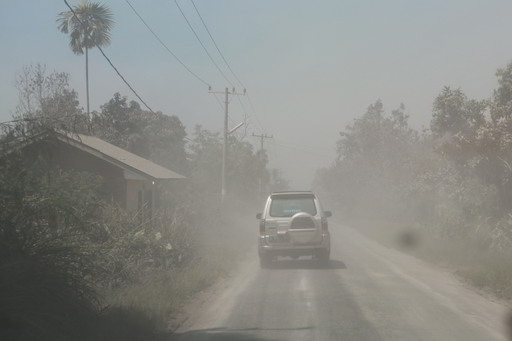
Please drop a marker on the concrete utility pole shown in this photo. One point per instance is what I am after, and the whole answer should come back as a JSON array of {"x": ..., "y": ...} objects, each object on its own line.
[
  {"x": 262, "y": 137},
  {"x": 226, "y": 133}
]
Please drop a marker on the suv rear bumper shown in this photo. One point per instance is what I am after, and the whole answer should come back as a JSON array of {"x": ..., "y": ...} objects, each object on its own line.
[{"x": 291, "y": 249}]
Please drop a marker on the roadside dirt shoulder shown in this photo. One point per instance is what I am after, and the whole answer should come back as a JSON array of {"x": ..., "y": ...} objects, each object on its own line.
[{"x": 209, "y": 302}]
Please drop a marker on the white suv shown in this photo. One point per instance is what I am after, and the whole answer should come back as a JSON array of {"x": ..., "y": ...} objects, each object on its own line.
[{"x": 293, "y": 224}]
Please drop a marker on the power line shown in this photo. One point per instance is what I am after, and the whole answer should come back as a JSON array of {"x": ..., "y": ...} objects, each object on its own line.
[
  {"x": 222, "y": 106},
  {"x": 216, "y": 46},
  {"x": 225, "y": 140},
  {"x": 254, "y": 112},
  {"x": 218, "y": 101},
  {"x": 200, "y": 42},
  {"x": 207, "y": 52},
  {"x": 243, "y": 109},
  {"x": 108, "y": 60},
  {"x": 262, "y": 138},
  {"x": 165, "y": 46},
  {"x": 227, "y": 64},
  {"x": 246, "y": 117}
]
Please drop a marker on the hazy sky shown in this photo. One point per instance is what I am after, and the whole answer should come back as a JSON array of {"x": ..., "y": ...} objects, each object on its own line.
[{"x": 310, "y": 67}]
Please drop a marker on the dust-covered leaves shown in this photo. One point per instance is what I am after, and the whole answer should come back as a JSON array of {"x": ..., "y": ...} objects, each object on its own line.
[{"x": 450, "y": 186}]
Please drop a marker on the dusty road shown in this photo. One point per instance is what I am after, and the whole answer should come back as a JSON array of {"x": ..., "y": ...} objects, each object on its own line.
[{"x": 368, "y": 292}]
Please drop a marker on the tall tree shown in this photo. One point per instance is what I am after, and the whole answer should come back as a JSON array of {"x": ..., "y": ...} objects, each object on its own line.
[
  {"x": 245, "y": 167},
  {"x": 46, "y": 100},
  {"x": 151, "y": 135},
  {"x": 89, "y": 26},
  {"x": 374, "y": 162}
]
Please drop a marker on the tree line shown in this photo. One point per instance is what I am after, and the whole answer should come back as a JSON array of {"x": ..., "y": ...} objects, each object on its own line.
[
  {"x": 75, "y": 267},
  {"x": 47, "y": 102},
  {"x": 61, "y": 246},
  {"x": 453, "y": 180}
]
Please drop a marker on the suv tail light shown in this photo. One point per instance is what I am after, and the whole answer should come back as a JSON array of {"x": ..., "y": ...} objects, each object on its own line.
[
  {"x": 262, "y": 226},
  {"x": 325, "y": 226}
]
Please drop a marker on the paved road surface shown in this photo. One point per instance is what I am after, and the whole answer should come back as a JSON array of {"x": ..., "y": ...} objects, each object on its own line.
[{"x": 368, "y": 292}]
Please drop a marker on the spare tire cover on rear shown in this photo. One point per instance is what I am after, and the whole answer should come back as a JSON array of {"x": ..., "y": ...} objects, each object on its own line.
[{"x": 302, "y": 228}]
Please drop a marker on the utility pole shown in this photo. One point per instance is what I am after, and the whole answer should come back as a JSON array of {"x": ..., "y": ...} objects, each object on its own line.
[
  {"x": 262, "y": 137},
  {"x": 226, "y": 93}
]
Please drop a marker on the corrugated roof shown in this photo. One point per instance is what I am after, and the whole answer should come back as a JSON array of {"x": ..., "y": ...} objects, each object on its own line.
[{"x": 130, "y": 160}]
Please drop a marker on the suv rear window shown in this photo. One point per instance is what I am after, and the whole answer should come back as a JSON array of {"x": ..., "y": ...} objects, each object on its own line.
[{"x": 288, "y": 206}]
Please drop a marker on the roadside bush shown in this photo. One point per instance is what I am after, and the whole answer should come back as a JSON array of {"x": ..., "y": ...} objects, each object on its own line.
[
  {"x": 65, "y": 256},
  {"x": 43, "y": 294},
  {"x": 131, "y": 249},
  {"x": 70, "y": 263}
]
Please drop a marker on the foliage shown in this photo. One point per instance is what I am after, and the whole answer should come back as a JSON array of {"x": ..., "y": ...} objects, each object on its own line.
[
  {"x": 88, "y": 27},
  {"x": 205, "y": 157},
  {"x": 454, "y": 114},
  {"x": 47, "y": 100},
  {"x": 132, "y": 249},
  {"x": 43, "y": 295},
  {"x": 154, "y": 136},
  {"x": 64, "y": 245},
  {"x": 43, "y": 265},
  {"x": 244, "y": 170},
  {"x": 50, "y": 203},
  {"x": 59, "y": 244},
  {"x": 374, "y": 159},
  {"x": 454, "y": 183},
  {"x": 449, "y": 189}
]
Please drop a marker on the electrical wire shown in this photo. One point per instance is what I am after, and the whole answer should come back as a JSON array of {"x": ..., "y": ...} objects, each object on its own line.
[
  {"x": 254, "y": 113},
  {"x": 218, "y": 101},
  {"x": 246, "y": 116},
  {"x": 216, "y": 46},
  {"x": 227, "y": 64},
  {"x": 222, "y": 107},
  {"x": 200, "y": 42},
  {"x": 209, "y": 55},
  {"x": 165, "y": 46},
  {"x": 110, "y": 62}
]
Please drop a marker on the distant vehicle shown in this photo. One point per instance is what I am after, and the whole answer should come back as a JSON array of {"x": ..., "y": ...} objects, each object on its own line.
[{"x": 293, "y": 224}]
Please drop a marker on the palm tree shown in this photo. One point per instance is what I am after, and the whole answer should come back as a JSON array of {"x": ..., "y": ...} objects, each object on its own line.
[{"x": 88, "y": 27}]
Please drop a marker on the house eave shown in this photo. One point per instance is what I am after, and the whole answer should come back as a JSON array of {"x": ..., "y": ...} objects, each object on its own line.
[{"x": 129, "y": 171}]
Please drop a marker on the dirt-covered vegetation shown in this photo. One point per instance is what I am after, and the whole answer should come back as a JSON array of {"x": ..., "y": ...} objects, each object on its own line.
[
  {"x": 444, "y": 192},
  {"x": 73, "y": 267}
]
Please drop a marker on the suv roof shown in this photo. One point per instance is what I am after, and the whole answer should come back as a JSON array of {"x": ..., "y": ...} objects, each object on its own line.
[
  {"x": 291, "y": 193},
  {"x": 295, "y": 191}
]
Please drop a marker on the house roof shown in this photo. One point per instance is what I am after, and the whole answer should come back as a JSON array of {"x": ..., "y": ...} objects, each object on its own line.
[{"x": 118, "y": 156}]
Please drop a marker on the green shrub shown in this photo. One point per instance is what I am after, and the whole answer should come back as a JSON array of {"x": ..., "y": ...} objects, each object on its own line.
[
  {"x": 43, "y": 295},
  {"x": 130, "y": 248}
]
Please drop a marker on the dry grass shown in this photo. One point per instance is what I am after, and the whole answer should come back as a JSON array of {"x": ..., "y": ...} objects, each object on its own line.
[
  {"x": 162, "y": 295},
  {"x": 469, "y": 258}
]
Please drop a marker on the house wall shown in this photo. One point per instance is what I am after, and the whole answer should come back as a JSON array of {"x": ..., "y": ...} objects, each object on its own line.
[
  {"x": 141, "y": 197},
  {"x": 124, "y": 187},
  {"x": 135, "y": 193},
  {"x": 56, "y": 153}
]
